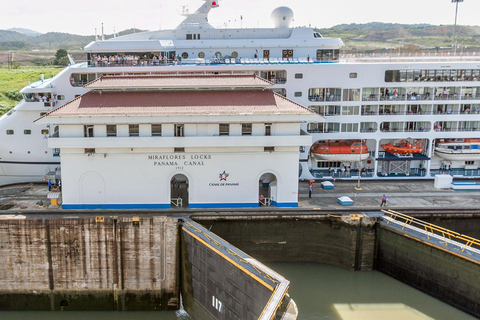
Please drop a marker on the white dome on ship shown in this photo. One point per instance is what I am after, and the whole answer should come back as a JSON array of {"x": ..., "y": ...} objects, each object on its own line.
[{"x": 282, "y": 17}]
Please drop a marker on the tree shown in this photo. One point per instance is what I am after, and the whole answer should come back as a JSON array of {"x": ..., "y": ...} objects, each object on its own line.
[{"x": 61, "y": 58}]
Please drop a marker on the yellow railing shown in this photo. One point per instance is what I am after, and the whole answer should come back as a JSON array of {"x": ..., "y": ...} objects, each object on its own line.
[{"x": 434, "y": 229}]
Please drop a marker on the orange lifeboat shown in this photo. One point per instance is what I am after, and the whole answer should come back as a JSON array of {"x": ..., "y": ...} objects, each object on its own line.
[
  {"x": 348, "y": 150},
  {"x": 404, "y": 147}
]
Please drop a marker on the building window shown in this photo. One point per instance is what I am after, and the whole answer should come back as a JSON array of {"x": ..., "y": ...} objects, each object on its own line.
[
  {"x": 10, "y": 132},
  {"x": 298, "y": 75},
  {"x": 88, "y": 131},
  {"x": 246, "y": 129},
  {"x": 179, "y": 130},
  {"x": 44, "y": 131},
  {"x": 42, "y": 114},
  {"x": 268, "y": 129},
  {"x": 298, "y": 94},
  {"x": 184, "y": 55},
  {"x": 178, "y": 149},
  {"x": 27, "y": 131},
  {"x": 60, "y": 97},
  {"x": 133, "y": 130},
  {"x": 90, "y": 151},
  {"x": 111, "y": 130},
  {"x": 156, "y": 130},
  {"x": 201, "y": 55},
  {"x": 189, "y": 37},
  {"x": 268, "y": 149},
  {"x": 224, "y": 129},
  {"x": 353, "y": 75}
]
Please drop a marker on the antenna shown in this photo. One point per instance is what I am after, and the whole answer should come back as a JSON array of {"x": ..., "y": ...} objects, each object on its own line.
[{"x": 241, "y": 21}]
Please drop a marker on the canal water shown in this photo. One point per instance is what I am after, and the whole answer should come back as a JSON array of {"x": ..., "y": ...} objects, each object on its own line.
[{"x": 320, "y": 291}]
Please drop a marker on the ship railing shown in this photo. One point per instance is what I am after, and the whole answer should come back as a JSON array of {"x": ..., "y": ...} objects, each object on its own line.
[
  {"x": 456, "y": 172},
  {"x": 410, "y": 56},
  {"x": 430, "y": 230}
]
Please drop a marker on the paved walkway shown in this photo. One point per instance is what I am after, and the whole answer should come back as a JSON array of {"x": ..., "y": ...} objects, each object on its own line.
[{"x": 401, "y": 194}]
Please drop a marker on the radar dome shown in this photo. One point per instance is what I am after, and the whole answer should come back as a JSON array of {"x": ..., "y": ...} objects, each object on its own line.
[{"x": 282, "y": 17}]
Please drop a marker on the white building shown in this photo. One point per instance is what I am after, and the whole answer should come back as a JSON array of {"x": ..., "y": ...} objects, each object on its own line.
[{"x": 162, "y": 141}]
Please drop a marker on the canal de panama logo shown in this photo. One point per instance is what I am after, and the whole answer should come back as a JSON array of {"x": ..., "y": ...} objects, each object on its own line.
[{"x": 223, "y": 176}]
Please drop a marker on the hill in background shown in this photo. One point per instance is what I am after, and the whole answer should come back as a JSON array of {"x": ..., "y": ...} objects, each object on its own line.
[{"x": 31, "y": 47}]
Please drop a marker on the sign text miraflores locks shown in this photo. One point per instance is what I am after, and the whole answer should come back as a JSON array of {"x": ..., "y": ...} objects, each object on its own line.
[{"x": 176, "y": 160}]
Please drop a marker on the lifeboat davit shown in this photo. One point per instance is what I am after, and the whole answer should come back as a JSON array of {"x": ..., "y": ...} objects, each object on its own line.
[
  {"x": 458, "y": 149},
  {"x": 348, "y": 150},
  {"x": 404, "y": 147}
]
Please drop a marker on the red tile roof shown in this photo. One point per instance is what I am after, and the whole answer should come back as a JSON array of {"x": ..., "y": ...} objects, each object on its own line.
[
  {"x": 178, "y": 81},
  {"x": 163, "y": 103}
]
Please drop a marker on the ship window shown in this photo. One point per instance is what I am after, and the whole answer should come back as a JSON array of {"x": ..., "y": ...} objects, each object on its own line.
[
  {"x": 298, "y": 75},
  {"x": 133, "y": 130},
  {"x": 350, "y": 127},
  {"x": 268, "y": 149},
  {"x": 469, "y": 163},
  {"x": 224, "y": 129},
  {"x": 89, "y": 151},
  {"x": 189, "y": 37},
  {"x": 156, "y": 130},
  {"x": 184, "y": 55},
  {"x": 246, "y": 129},
  {"x": 218, "y": 54},
  {"x": 352, "y": 75},
  {"x": 178, "y": 149},
  {"x": 328, "y": 164},
  {"x": 27, "y": 131},
  {"x": 198, "y": 36},
  {"x": 234, "y": 54},
  {"x": 10, "y": 132},
  {"x": 201, "y": 54},
  {"x": 298, "y": 94},
  {"x": 111, "y": 130}
]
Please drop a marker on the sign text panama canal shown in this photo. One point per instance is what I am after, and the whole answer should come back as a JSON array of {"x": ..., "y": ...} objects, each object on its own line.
[{"x": 176, "y": 160}]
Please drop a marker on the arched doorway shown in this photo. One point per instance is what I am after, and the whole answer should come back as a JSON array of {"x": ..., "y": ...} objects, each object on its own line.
[
  {"x": 179, "y": 191},
  {"x": 267, "y": 190},
  {"x": 92, "y": 189}
]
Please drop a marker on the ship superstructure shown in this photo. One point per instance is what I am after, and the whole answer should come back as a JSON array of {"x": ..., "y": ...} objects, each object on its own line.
[{"x": 377, "y": 100}]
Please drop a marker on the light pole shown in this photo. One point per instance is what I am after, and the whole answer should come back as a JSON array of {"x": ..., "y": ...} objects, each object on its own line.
[
  {"x": 358, "y": 188},
  {"x": 455, "y": 26}
]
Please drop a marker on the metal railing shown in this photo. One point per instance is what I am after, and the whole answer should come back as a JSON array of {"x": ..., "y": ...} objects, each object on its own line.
[{"x": 431, "y": 230}]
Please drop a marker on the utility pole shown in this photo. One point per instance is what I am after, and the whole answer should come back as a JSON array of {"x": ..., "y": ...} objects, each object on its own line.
[{"x": 454, "y": 49}]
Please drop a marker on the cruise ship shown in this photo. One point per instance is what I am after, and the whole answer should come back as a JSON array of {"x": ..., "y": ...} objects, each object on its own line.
[{"x": 367, "y": 100}]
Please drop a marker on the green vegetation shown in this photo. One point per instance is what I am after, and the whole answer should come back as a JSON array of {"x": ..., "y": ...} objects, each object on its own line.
[{"x": 12, "y": 81}]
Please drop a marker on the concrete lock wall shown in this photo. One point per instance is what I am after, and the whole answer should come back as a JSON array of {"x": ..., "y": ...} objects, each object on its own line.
[
  {"x": 341, "y": 242},
  {"x": 443, "y": 275},
  {"x": 80, "y": 264}
]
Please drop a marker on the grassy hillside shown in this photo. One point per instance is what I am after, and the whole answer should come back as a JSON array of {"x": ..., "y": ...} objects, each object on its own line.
[{"x": 12, "y": 81}]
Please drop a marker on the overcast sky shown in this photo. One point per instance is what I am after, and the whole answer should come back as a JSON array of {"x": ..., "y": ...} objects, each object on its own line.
[{"x": 82, "y": 17}]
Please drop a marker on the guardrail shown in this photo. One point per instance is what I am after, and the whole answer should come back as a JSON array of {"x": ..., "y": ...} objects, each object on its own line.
[{"x": 431, "y": 230}]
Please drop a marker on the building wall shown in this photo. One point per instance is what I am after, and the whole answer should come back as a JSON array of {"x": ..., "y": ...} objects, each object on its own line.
[{"x": 140, "y": 178}]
